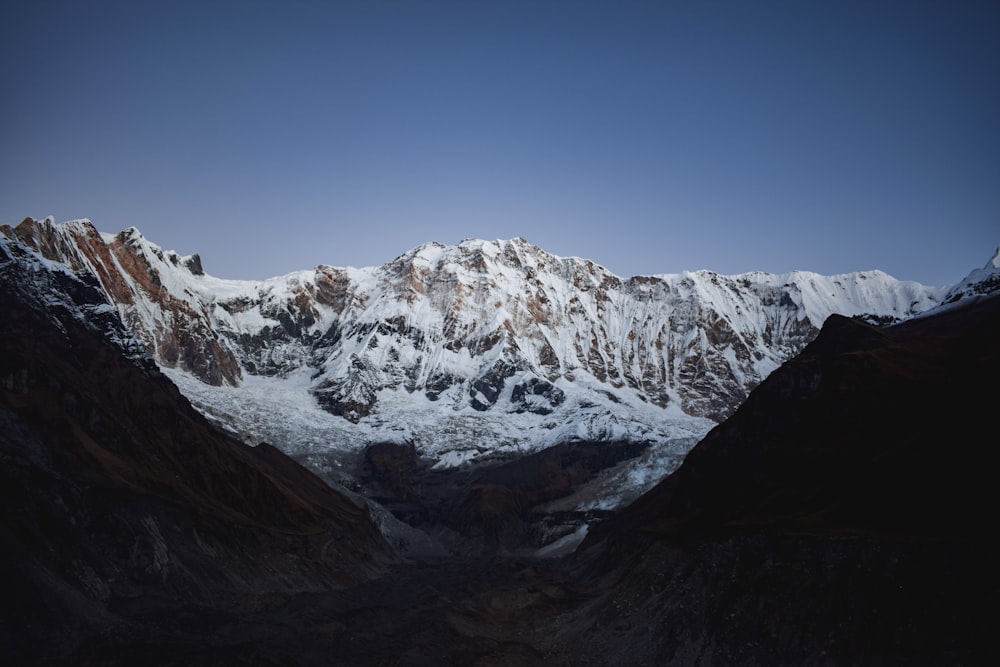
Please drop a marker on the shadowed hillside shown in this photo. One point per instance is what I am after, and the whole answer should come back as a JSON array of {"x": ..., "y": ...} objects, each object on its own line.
[
  {"x": 128, "y": 525},
  {"x": 841, "y": 516}
]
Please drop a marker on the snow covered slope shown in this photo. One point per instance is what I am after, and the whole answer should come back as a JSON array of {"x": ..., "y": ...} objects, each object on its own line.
[
  {"x": 978, "y": 283},
  {"x": 466, "y": 350}
]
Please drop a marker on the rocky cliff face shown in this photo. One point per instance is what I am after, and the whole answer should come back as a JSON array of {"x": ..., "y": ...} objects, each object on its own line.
[
  {"x": 176, "y": 331},
  {"x": 494, "y": 326}
]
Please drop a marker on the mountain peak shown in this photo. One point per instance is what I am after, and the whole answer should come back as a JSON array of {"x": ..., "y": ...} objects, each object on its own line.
[
  {"x": 478, "y": 256},
  {"x": 979, "y": 282},
  {"x": 995, "y": 262}
]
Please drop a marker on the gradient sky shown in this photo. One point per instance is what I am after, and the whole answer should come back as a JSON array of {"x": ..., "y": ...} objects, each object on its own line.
[{"x": 651, "y": 137}]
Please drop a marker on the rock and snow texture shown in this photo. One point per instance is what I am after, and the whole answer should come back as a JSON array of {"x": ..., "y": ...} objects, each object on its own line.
[
  {"x": 978, "y": 283},
  {"x": 469, "y": 349},
  {"x": 63, "y": 295}
]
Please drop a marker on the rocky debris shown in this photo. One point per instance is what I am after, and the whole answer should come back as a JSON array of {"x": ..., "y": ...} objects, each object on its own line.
[
  {"x": 503, "y": 506},
  {"x": 440, "y": 613},
  {"x": 500, "y": 505}
]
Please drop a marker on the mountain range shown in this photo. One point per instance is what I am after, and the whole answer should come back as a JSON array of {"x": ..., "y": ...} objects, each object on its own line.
[
  {"x": 475, "y": 352},
  {"x": 838, "y": 513}
]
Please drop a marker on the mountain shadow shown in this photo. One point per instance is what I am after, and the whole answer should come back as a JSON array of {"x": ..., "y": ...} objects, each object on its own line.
[
  {"x": 130, "y": 530},
  {"x": 842, "y": 516}
]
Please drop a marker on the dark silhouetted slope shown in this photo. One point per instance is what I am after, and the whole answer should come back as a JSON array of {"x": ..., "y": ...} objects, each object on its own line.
[
  {"x": 129, "y": 527},
  {"x": 843, "y": 515}
]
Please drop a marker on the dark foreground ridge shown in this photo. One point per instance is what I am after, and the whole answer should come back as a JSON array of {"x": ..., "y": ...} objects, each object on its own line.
[
  {"x": 841, "y": 516},
  {"x": 121, "y": 505}
]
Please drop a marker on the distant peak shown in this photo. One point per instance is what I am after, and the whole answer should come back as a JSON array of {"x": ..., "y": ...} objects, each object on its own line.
[
  {"x": 477, "y": 244},
  {"x": 995, "y": 262},
  {"x": 48, "y": 221},
  {"x": 33, "y": 223},
  {"x": 191, "y": 262},
  {"x": 83, "y": 224},
  {"x": 130, "y": 234}
]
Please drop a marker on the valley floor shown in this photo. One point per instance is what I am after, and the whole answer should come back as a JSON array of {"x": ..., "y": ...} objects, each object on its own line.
[
  {"x": 434, "y": 613},
  {"x": 747, "y": 601}
]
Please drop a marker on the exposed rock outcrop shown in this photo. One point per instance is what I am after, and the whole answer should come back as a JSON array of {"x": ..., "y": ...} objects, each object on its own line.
[{"x": 175, "y": 331}]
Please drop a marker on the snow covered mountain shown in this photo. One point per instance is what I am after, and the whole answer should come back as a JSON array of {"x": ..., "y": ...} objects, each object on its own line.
[
  {"x": 978, "y": 283},
  {"x": 468, "y": 349},
  {"x": 804, "y": 478}
]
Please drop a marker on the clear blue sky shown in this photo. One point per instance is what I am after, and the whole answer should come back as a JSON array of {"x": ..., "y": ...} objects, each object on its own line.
[{"x": 651, "y": 137}]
